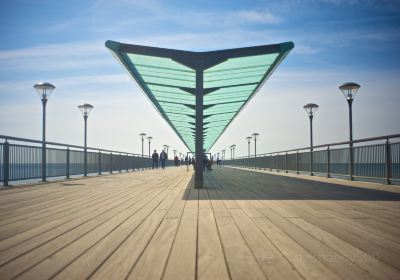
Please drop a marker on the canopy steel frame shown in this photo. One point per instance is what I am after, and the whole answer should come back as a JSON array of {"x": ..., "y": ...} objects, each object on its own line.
[{"x": 199, "y": 62}]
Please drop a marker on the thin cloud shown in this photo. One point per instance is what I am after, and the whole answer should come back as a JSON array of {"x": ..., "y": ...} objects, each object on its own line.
[{"x": 254, "y": 16}]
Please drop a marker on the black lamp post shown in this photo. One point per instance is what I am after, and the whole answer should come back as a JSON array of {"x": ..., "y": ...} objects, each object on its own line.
[
  {"x": 85, "y": 108},
  {"x": 248, "y": 138},
  {"x": 349, "y": 91},
  {"x": 311, "y": 108},
  {"x": 44, "y": 90},
  {"x": 255, "y": 136},
  {"x": 149, "y": 138},
  {"x": 142, "y": 136}
]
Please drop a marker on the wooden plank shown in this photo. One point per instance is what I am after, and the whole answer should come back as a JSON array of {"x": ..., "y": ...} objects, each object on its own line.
[
  {"x": 152, "y": 262},
  {"x": 313, "y": 248},
  {"x": 356, "y": 238},
  {"x": 181, "y": 263},
  {"x": 104, "y": 223},
  {"x": 73, "y": 227},
  {"x": 123, "y": 222},
  {"x": 240, "y": 260},
  {"x": 121, "y": 262},
  {"x": 16, "y": 227},
  {"x": 271, "y": 261},
  {"x": 372, "y": 265},
  {"x": 304, "y": 262},
  {"x": 137, "y": 230},
  {"x": 211, "y": 262}
]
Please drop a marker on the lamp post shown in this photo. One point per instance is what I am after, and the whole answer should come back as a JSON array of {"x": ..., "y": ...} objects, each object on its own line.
[
  {"x": 174, "y": 153},
  {"x": 142, "y": 136},
  {"x": 149, "y": 138},
  {"x": 311, "y": 108},
  {"x": 349, "y": 91},
  {"x": 255, "y": 135},
  {"x": 233, "y": 150},
  {"x": 44, "y": 90},
  {"x": 85, "y": 108},
  {"x": 248, "y": 138}
]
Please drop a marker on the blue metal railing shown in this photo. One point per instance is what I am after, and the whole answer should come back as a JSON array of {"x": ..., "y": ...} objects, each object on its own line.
[
  {"x": 24, "y": 161},
  {"x": 374, "y": 161}
]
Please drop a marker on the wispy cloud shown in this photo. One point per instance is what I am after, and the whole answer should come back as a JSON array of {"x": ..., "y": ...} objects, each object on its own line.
[
  {"x": 94, "y": 55},
  {"x": 256, "y": 16},
  {"x": 49, "y": 57}
]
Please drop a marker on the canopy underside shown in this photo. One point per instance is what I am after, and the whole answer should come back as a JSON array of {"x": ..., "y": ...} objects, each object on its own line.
[{"x": 230, "y": 79}]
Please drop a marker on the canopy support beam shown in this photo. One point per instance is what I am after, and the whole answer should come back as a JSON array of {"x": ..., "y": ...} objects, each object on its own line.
[{"x": 198, "y": 182}]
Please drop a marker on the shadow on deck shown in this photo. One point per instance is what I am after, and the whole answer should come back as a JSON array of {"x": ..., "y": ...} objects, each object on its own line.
[
  {"x": 244, "y": 185},
  {"x": 155, "y": 225}
]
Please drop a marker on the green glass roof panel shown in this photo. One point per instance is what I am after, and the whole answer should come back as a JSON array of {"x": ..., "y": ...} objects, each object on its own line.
[
  {"x": 230, "y": 79},
  {"x": 156, "y": 62}
]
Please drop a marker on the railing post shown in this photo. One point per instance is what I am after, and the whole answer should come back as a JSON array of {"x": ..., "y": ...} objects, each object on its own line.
[
  {"x": 6, "y": 162},
  {"x": 99, "y": 162},
  {"x": 120, "y": 163},
  {"x": 388, "y": 162},
  {"x": 286, "y": 155},
  {"x": 297, "y": 162},
  {"x": 351, "y": 161},
  {"x": 270, "y": 162},
  {"x": 328, "y": 161},
  {"x": 67, "y": 164},
  {"x": 277, "y": 162},
  {"x": 111, "y": 162}
]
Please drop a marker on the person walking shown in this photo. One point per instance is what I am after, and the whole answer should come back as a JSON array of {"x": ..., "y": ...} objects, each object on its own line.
[
  {"x": 155, "y": 159},
  {"x": 163, "y": 158}
]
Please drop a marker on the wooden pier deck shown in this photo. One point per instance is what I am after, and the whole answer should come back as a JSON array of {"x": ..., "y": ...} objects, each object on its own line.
[{"x": 244, "y": 225}]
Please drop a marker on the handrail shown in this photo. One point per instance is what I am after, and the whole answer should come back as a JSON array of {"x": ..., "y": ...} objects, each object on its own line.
[
  {"x": 6, "y": 137},
  {"x": 386, "y": 137}
]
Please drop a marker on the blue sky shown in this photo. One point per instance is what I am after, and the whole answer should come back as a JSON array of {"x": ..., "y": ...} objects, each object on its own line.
[{"x": 336, "y": 41}]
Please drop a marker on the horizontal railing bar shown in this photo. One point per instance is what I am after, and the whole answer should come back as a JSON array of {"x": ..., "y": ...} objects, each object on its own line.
[
  {"x": 386, "y": 137},
  {"x": 6, "y": 137}
]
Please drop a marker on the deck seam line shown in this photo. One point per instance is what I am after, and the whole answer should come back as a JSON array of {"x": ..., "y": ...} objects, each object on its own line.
[
  {"x": 249, "y": 191},
  {"x": 141, "y": 222},
  {"x": 152, "y": 236},
  {"x": 142, "y": 193},
  {"x": 26, "y": 270},
  {"x": 177, "y": 229},
  {"x": 219, "y": 238},
  {"x": 273, "y": 244},
  {"x": 241, "y": 234}
]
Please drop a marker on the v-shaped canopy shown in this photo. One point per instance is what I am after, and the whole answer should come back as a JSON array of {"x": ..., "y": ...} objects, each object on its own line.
[{"x": 228, "y": 79}]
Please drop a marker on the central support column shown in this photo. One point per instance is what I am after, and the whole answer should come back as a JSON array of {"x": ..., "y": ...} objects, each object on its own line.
[{"x": 198, "y": 183}]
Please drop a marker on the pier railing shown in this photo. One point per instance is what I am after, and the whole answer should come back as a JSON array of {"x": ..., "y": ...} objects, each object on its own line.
[
  {"x": 373, "y": 158},
  {"x": 21, "y": 159}
]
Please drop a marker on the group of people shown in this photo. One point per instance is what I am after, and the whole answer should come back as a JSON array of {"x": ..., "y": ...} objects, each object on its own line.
[
  {"x": 163, "y": 158},
  {"x": 207, "y": 162}
]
